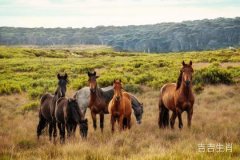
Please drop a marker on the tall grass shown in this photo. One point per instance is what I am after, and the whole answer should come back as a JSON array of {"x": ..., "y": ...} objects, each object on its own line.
[{"x": 215, "y": 120}]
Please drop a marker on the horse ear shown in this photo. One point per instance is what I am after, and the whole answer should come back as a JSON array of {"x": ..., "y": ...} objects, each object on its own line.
[
  {"x": 94, "y": 73},
  {"x": 58, "y": 76},
  {"x": 89, "y": 74},
  {"x": 120, "y": 80},
  {"x": 183, "y": 63},
  {"x": 65, "y": 76},
  {"x": 190, "y": 63}
]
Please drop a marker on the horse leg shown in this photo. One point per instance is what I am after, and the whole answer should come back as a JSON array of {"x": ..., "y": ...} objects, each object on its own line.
[
  {"x": 189, "y": 114},
  {"x": 41, "y": 125},
  {"x": 129, "y": 122},
  {"x": 120, "y": 122},
  {"x": 74, "y": 129},
  {"x": 166, "y": 118},
  {"x": 63, "y": 132},
  {"x": 160, "y": 117},
  {"x": 50, "y": 130},
  {"x": 172, "y": 120},
  {"x": 94, "y": 120},
  {"x": 60, "y": 130},
  {"x": 69, "y": 129},
  {"x": 112, "y": 123},
  {"x": 54, "y": 130},
  {"x": 101, "y": 121},
  {"x": 179, "y": 113}
]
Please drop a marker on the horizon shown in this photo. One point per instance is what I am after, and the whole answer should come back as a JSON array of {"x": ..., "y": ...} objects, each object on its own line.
[{"x": 94, "y": 13}]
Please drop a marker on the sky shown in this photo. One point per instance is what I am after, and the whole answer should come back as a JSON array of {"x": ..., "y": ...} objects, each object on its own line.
[{"x": 92, "y": 13}]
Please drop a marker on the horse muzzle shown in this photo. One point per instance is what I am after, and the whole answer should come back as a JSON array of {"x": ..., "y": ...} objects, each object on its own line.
[
  {"x": 92, "y": 90},
  {"x": 188, "y": 83}
]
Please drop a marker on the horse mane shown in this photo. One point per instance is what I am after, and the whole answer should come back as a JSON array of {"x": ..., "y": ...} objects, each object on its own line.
[{"x": 179, "y": 80}]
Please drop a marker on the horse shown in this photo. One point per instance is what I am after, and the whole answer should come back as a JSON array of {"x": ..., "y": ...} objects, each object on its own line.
[
  {"x": 177, "y": 97},
  {"x": 99, "y": 100},
  {"x": 47, "y": 108},
  {"x": 83, "y": 97},
  {"x": 120, "y": 107},
  {"x": 68, "y": 115}
]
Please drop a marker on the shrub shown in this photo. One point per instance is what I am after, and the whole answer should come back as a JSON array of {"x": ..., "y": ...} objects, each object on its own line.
[
  {"x": 198, "y": 88},
  {"x": 133, "y": 88},
  {"x": 213, "y": 75},
  {"x": 30, "y": 106},
  {"x": 36, "y": 92},
  {"x": 78, "y": 83},
  {"x": 143, "y": 78},
  {"x": 9, "y": 88}
]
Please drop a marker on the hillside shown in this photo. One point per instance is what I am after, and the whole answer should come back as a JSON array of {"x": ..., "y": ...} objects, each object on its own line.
[{"x": 164, "y": 37}]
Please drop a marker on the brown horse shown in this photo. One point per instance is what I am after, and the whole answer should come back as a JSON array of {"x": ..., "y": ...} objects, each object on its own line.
[
  {"x": 177, "y": 98},
  {"x": 47, "y": 108},
  {"x": 120, "y": 107},
  {"x": 68, "y": 115},
  {"x": 99, "y": 100}
]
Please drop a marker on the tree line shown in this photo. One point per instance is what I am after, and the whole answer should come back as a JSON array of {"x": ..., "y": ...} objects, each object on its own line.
[{"x": 163, "y": 37}]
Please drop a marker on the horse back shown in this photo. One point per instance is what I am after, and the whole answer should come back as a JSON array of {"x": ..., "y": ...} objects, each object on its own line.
[{"x": 167, "y": 93}]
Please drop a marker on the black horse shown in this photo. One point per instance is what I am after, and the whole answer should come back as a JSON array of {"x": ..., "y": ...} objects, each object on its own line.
[
  {"x": 47, "y": 108},
  {"x": 68, "y": 115}
]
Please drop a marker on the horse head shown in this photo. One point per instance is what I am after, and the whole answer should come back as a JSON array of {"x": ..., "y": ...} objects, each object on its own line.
[
  {"x": 79, "y": 117},
  {"x": 139, "y": 114},
  {"x": 92, "y": 81},
  {"x": 185, "y": 76},
  {"x": 117, "y": 86},
  {"x": 62, "y": 84}
]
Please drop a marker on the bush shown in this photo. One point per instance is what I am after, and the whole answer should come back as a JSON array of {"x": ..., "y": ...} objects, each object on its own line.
[
  {"x": 133, "y": 88},
  {"x": 213, "y": 75},
  {"x": 143, "y": 78},
  {"x": 79, "y": 82},
  {"x": 198, "y": 88},
  {"x": 9, "y": 88},
  {"x": 30, "y": 106}
]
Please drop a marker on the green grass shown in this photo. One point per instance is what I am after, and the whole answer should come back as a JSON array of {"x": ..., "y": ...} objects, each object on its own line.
[{"x": 33, "y": 70}]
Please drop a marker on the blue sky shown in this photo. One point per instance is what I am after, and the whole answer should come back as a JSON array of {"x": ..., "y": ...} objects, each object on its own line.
[{"x": 91, "y": 13}]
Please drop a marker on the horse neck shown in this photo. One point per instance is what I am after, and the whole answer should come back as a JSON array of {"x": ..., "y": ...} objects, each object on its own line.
[
  {"x": 95, "y": 96},
  {"x": 57, "y": 93},
  {"x": 186, "y": 91}
]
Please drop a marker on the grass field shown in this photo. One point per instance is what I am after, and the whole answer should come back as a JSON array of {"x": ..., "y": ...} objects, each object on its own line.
[{"x": 26, "y": 73}]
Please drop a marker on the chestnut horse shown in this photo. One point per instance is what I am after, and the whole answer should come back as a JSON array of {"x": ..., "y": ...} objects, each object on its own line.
[
  {"x": 120, "y": 107},
  {"x": 177, "y": 98},
  {"x": 99, "y": 100},
  {"x": 47, "y": 108}
]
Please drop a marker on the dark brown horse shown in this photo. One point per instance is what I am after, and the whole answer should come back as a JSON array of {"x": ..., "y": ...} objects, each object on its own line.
[
  {"x": 99, "y": 100},
  {"x": 47, "y": 108},
  {"x": 177, "y": 98},
  {"x": 68, "y": 115},
  {"x": 120, "y": 107}
]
